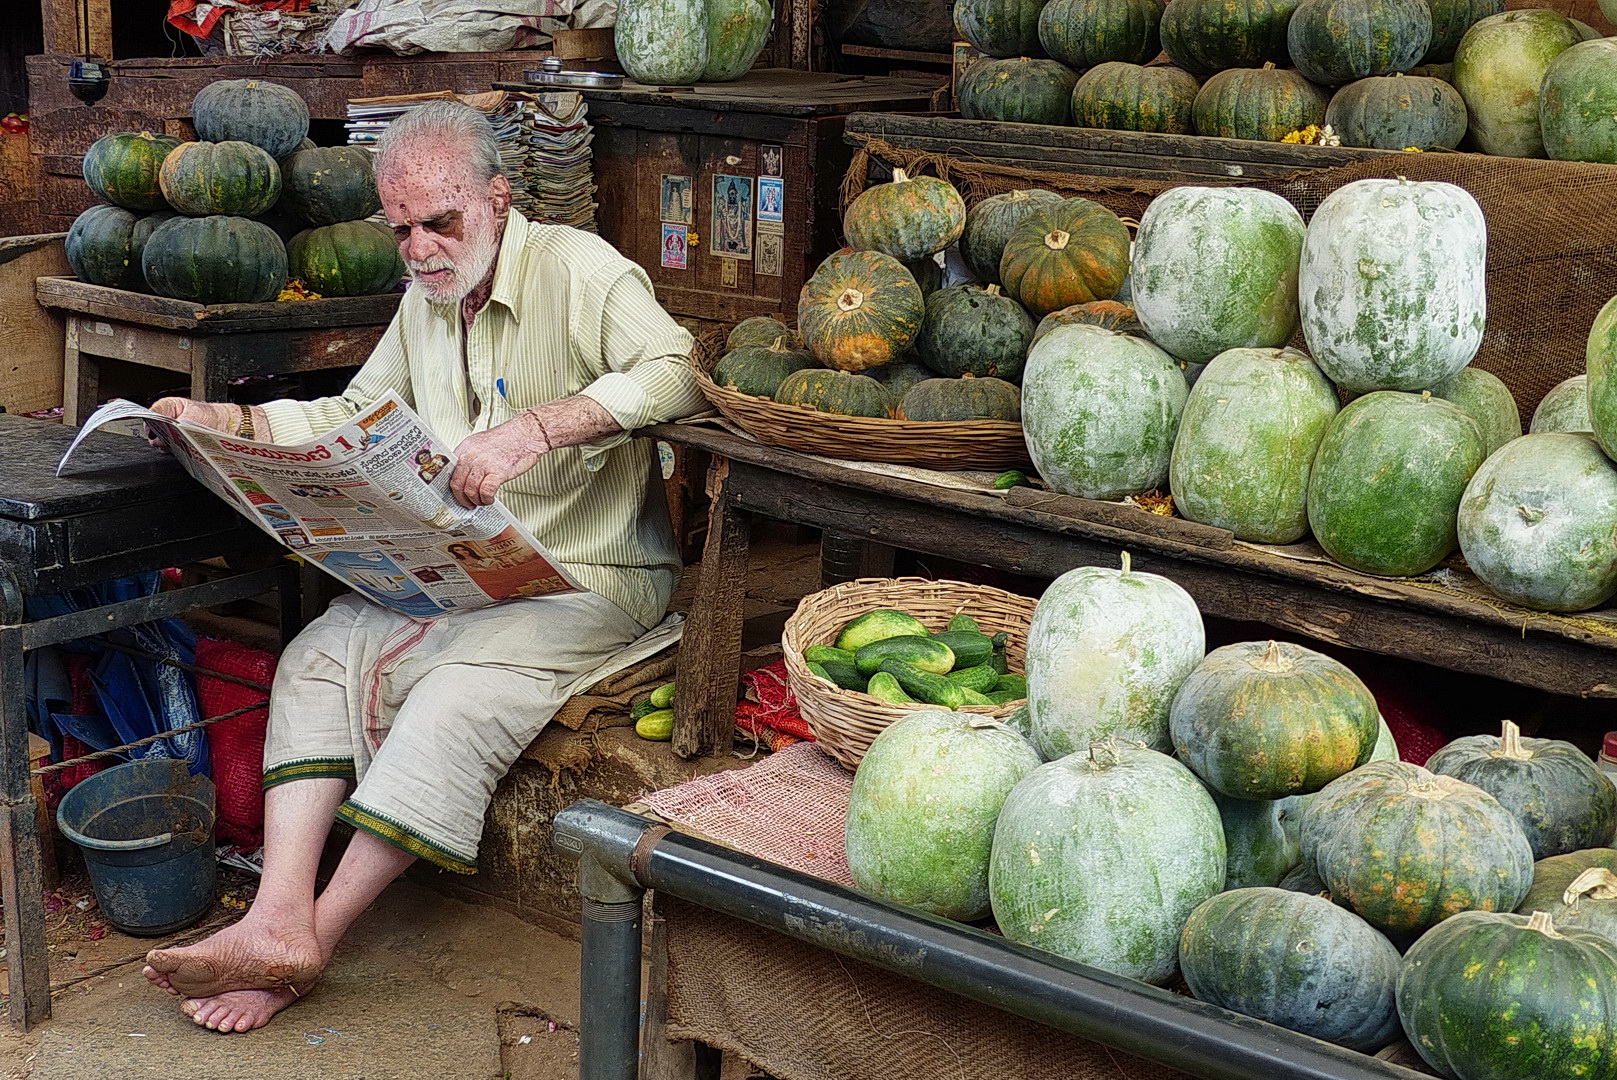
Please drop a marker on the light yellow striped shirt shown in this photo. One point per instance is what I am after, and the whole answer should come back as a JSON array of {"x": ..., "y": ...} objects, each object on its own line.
[{"x": 568, "y": 315}]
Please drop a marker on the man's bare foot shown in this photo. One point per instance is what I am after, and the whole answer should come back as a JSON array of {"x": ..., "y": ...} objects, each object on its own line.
[
  {"x": 246, "y": 956},
  {"x": 238, "y": 1010}
]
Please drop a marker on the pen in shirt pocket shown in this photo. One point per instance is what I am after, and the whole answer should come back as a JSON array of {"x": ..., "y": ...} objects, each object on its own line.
[{"x": 499, "y": 386}]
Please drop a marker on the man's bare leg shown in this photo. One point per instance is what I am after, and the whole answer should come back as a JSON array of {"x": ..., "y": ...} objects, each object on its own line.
[
  {"x": 367, "y": 867},
  {"x": 274, "y": 946}
]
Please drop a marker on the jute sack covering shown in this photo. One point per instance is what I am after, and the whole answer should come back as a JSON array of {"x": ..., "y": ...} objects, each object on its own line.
[{"x": 1552, "y": 238}]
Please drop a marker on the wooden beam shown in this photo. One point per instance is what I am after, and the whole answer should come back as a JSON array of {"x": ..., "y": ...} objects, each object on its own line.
[{"x": 64, "y": 33}]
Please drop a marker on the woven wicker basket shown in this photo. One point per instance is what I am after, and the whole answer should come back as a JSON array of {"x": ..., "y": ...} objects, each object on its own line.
[
  {"x": 845, "y": 721},
  {"x": 951, "y": 444}
]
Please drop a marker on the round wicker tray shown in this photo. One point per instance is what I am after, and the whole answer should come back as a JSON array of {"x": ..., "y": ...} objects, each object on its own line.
[
  {"x": 954, "y": 444},
  {"x": 845, "y": 722}
]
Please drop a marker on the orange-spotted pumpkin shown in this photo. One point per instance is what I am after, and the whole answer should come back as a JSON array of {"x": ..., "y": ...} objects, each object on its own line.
[
  {"x": 861, "y": 309},
  {"x": 965, "y": 398},
  {"x": 1107, "y": 314},
  {"x": 839, "y": 392},
  {"x": 910, "y": 218},
  {"x": 1058, "y": 256}
]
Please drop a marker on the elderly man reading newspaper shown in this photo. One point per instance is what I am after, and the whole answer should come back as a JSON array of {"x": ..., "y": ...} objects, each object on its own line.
[{"x": 533, "y": 350}]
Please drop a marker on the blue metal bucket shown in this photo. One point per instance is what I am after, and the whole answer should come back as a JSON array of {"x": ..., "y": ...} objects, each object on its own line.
[{"x": 146, "y": 830}]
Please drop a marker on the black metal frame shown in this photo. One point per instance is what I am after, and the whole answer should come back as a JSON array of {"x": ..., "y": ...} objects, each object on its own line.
[{"x": 622, "y": 854}]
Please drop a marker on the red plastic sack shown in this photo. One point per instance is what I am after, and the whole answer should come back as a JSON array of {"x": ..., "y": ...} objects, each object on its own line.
[{"x": 236, "y": 745}]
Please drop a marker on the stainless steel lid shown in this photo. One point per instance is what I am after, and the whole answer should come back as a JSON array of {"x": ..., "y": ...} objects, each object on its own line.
[{"x": 550, "y": 73}]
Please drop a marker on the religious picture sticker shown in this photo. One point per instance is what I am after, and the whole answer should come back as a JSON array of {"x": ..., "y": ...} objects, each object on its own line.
[
  {"x": 727, "y": 273},
  {"x": 771, "y": 196},
  {"x": 771, "y": 253},
  {"x": 732, "y": 217},
  {"x": 676, "y": 247},
  {"x": 678, "y": 196},
  {"x": 773, "y": 157}
]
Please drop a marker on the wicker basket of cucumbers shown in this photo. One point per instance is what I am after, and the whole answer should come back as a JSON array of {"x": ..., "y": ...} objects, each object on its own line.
[{"x": 862, "y": 654}]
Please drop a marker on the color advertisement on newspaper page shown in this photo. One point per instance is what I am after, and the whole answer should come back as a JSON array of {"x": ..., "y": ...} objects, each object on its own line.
[{"x": 368, "y": 502}]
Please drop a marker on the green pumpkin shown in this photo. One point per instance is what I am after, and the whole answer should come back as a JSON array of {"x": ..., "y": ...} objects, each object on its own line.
[
  {"x": 1333, "y": 42},
  {"x": 1450, "y": 20},
  {"x": 1406, "y": 848},
  {"x": 1062, "y": 255},
  {"x": 737, "y": 31},
  {"x": 1564, "y": 408},
  {"x": 1267, "y": 720},
  {"x": 835, "y": 392},
  {"x": 1100, "y": 410},
  {"x": 760, "y": 369},
  {"x": 1499, "y": 67},
  {"x": 1397, "y": 112},
  {"x": 1489, "y": 402},
  {"x": 1106, "y": 314},
  {"x": 1562, "y": 801},
  {"x": 909, "y": 219},
  {"x": 761, "y": 330},
  {"x": 971, "y": 330},
  {"x": 1577, "y": 103},
  {"x": 1247, "y": 441},
  {"x": 662, "y": 42},
  {"x": 231, "y": 178},
  {"x": 1590, "y": 903},
  {"x": 268, "y": 115},
  {"x": 1602, "y": 372},
  {"x": 1554, "y": 875},
  {"x": 1107, "y": 650},
  {"x": 1501, "y": 995},
  {"x": 1262, "y": 850},
  {"x": 1083, "y": 33},
  {"x": 1020, "y": 91},
  {"x": 989, "y": 225},
  {"x": 122, "y": 169},
  {"x": 923, "y": 806},
  {"x": 350, "y": 258},
  {"x": 329, "y": 184},
  {"x": 1208, "y": 36},
  {"x": 1385, "y": 491},
  {"x": 104, "y": 245},
  {"x": 1130, "y": 97},
  {"x": 1100, "y": 857},
  {"x": 901, "y": 376},
  {"x": 927, "y": 273},
  {"x": 965, "y": 398},
  {"x": 1000, "y": 27},
  {"x": 214, "y": 260},
  {"x": 1216, "y": 269},
  {"x": 1265, "y": 103},
  {"x": 860, "y": 309},
  {"x": 1295, "y": 960}
]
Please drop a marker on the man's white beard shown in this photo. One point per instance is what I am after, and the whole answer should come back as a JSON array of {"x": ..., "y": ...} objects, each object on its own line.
[{"x": 474, "y": 267}]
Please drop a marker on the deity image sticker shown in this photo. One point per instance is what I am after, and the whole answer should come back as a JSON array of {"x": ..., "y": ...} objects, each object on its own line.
[
  {"x": 727, "y": 273},
  {"x": 678, "y": 197},
  {"x": 771, "y": 197},
  {"x": 773, "y": 158},
  {"x": 732, "y": 217},
  {"x": 676, "y": 247},
  {"x": 771, "y": 252}
]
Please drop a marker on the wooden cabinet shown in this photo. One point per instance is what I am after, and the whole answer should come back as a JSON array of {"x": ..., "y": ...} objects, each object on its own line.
[{"x": 774, "y": 129}]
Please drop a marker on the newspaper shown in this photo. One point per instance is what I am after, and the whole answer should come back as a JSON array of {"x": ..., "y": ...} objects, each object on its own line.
[{"x": 369, "y": 503}]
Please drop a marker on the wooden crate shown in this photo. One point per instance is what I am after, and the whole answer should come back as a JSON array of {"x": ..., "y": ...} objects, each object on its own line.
[{"x": 31, "y": 372}]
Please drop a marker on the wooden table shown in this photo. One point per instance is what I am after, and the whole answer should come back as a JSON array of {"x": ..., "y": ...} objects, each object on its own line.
[
  {"x": 210, "y": 344},
  {"x": 120, "y": 509},
  {"x": 1453, "y": 623}
]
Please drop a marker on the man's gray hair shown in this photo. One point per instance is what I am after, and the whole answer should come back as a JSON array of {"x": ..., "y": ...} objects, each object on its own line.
[{"x": 443, "y": 121}]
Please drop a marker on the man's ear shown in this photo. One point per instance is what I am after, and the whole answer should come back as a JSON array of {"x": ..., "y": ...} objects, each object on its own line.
[{"x": 499, "y": 193}]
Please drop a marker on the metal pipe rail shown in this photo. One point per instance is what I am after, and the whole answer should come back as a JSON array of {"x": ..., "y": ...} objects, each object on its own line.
[{"x": 622, "y": 854}]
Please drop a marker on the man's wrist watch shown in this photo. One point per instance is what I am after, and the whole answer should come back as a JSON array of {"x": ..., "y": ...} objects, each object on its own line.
[{"x": 245, "y": 427}]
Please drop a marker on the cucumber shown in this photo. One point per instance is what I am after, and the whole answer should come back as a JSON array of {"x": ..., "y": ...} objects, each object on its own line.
[
  {"x": 657, "y": 726},
  {"x": 924, "y": 685},
  {"x": 974, "y": 698},
  {"x": 962, "y": 621},
  {"x": 1009, "y": 479},
  {"x": 819, "y": 654},
  {"x": 970, "y": 647},
  {"x": 663, "y": 696},
  {"x": 999, "y": 662},
  {"x": 844, "y": 675},
  {"x": 886, "y": 688},
  {"x": 928, "y": 654},
  {"x": 641, "y": 708},
  {"x": 1000, "y": 640},
  {"x": 1003, "y": 697},
  {"x": 1010, "y": 682},
  {"x": 876, "y": 625},
  {"x": 980, "y": 678}
]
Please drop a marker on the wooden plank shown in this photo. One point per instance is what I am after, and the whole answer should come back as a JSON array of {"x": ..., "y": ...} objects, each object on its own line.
[
  {"x": 710, "y": 652},
  {"x": 589, "y": 44},
  {"x": 713, "y": 306},
  {"x": 782, "y": 92},
  {"x": 634, "y": 114},
  {"x": 34, "y": 336},
  {"x": 1123, "y": 516},
  {"x": 908, "y": 55},
  {"x": 65, "y": 31},
  {"x": 134, "y": 344},
  {"x": 163, "y": 312}
]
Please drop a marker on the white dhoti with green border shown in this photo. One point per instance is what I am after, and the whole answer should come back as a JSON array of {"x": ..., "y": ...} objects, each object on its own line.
[{"x": 426, "y": 716}]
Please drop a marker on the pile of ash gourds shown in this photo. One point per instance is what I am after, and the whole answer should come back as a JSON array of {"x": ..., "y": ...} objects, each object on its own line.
[
  {"x": 1192, "y": 387},
  {"x": 1386, "y": 74},
  {"x": 1241, "y": 818},
  {"x": 230, "y": 217}
]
